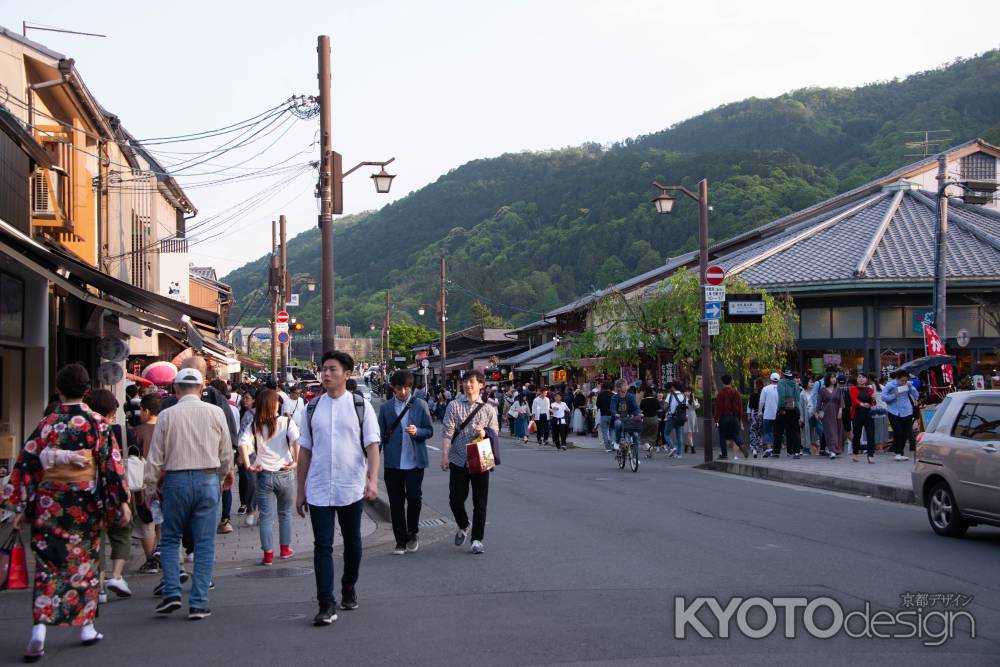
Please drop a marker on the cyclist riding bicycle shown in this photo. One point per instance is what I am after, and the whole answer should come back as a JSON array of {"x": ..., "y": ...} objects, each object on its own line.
[{"x": 624, "y": 404}]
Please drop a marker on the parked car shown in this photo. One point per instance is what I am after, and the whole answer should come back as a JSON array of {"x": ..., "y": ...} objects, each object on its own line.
[
  {"x": 311, "y": 390},
  {"x": 957, "y": 472}
]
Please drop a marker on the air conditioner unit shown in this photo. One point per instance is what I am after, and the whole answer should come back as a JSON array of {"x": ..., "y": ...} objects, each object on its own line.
[{"x": 40, "y": 201}]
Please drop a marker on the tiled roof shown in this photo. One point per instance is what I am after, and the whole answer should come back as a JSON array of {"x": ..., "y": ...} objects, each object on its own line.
[{"x": 815, "y": 254}]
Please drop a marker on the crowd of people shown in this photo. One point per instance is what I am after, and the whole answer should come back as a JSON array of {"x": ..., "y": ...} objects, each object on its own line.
[{"x": 166, "y": 477}]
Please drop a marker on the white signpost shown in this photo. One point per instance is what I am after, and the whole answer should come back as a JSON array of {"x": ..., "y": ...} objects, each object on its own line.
[
  {"x": 713, "y": 327},
  {"x": 715, "y": 292}
]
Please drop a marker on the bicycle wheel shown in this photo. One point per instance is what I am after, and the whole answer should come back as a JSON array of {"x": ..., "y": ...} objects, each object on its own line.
[
  {"x": 620, "y": 455},
  {"x": 633, "y": 458}
]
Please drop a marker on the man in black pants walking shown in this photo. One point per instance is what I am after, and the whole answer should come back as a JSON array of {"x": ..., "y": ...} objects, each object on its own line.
[{"x": 467, "y": 418}]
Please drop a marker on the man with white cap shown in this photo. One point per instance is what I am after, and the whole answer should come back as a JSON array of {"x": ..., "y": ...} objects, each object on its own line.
[
  {"x": 190, "y": 452},
  {"x": 769, "y": 410}
]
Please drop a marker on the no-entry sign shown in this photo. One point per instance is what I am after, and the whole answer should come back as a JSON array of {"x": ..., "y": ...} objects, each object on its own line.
[
  {"x": 714, "y": 275},
  {"x": 282, "y": 317}
]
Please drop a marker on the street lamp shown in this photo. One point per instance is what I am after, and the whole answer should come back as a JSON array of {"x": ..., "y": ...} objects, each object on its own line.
[
  {"x": 420, "y": 310},
  {"x": 664, "y": 205},
  {"x": 383, "y": 181}
]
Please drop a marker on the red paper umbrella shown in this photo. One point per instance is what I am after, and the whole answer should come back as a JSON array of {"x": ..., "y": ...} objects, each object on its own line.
[
  {"x": 160, "y": 373},
  {"x": 138, "y": 380}
]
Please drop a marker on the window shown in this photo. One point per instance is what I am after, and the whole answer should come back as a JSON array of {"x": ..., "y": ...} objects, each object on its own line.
[
  {"x": 979, "y": 167},
  {"x": 848, "y": 322},
  {"x": 815, "y": 322},
  {"x": 11, "y": 306},
  {"x": 890, "y": 323},
  {"x": 978, "y": 421}
]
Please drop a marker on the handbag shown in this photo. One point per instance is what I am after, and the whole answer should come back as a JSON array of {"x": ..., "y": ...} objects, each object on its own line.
[
  {"x": 479, "y": 454},
  {"x": 135, "y": 468},
  {"x": 13, "y": 564},
  {"x": 532, "y": 426}
]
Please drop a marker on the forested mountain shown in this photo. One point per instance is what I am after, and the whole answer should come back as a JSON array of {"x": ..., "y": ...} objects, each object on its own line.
[{"x": 527, "y": 232}]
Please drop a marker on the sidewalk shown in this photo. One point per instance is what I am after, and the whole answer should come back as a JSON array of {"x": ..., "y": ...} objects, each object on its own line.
[{"x": 886, "y": 479}]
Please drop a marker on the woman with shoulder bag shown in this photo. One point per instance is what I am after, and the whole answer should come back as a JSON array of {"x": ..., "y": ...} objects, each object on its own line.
[{"x": 274, "y": 439}]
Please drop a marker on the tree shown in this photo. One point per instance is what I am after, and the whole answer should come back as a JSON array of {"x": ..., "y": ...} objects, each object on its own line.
[
  {"x": 668, "y": 317},
  {"x": 484, "y": 317},
  {"x": 404, "y": 335}
]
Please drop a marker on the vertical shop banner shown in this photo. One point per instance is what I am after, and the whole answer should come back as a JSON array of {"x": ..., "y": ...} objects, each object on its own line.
[{"x": 933, "y": 345}]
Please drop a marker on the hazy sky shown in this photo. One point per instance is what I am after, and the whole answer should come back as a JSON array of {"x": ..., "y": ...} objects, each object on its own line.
[{"x": 439, "y": 83}]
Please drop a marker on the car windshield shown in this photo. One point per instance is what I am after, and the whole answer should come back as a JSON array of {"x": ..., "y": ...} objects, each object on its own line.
[{"x": 941, "y": 409}]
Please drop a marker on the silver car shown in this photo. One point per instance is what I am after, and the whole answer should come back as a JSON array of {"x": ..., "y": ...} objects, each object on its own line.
[{"x": 957, "y": 473}]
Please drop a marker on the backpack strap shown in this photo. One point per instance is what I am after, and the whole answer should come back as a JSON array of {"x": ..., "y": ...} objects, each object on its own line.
[{"x": 359, "y": 407}]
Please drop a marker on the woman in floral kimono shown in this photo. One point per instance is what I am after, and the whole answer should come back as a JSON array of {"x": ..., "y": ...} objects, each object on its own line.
[
  {"x": 755, "y": 420},
  {"x": 67, "y": 480}
]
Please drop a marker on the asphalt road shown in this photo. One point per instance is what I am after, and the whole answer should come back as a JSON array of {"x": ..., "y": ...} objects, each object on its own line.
[{"x": 583, "y": 562}]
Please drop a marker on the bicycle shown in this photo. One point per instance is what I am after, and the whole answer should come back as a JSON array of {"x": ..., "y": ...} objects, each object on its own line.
[{"x": 627, "y": 453}]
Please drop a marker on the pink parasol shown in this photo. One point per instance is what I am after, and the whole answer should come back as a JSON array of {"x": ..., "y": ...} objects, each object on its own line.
[{"x": 160, "y": 373}]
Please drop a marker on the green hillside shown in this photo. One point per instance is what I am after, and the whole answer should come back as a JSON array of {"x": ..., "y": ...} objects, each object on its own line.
[{"x": 526, "y": 232}]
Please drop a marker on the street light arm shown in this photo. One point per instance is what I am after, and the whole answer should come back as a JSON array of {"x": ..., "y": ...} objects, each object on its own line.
[
  {"x": 677, "y": 188},
  {"x": 365, "y": 164}
]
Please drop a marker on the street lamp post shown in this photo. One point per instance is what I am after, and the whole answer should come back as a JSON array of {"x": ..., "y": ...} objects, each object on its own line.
[
  {"x": 330, "y": 190},
  {"x": 664, "y": 204}
]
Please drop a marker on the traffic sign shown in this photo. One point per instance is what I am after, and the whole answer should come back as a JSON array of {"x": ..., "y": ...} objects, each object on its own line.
[
  {"x": 283, "y": 337},
  {"x": 715, "y": 292},
  {"x": 715, "y": 274},
  {"x": 962, "y": 338},
  {"x": 281, "y": 326},
  {"x": 282, "y": 316},
  {"x": 745, "y": 308},
  {"x": 713, "y": 310},
  {"x": 293, "y": 301},
  {"x": 424, "y": 363},
  {"x": 713, "y": 327}
]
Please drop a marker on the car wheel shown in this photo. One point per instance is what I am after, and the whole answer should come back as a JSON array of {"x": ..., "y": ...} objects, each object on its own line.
[{"x": 943, "y": 513}]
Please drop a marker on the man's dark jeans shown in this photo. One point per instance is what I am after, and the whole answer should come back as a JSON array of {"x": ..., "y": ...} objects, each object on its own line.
[
  {"x": 458, "y": 492},
  {"x": 322, "y": 519},
  {"x": 405, "y": 501},
  {"x": 786, "y": 427},
  {"x": 729, "y": 429},
  {"x": 542, "y": 428}
]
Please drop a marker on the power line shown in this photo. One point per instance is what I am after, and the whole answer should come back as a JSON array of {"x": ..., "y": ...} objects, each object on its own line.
[{"x": 490, "y": 302}]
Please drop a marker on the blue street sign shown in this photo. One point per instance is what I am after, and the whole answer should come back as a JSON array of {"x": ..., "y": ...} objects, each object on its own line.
[
  {"x": 283, "y": 337},
  {"x": 713, "y": 310}
]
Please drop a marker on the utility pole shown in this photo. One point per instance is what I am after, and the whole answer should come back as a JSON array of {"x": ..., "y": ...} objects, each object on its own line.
[
  {"x": 328, "y": 180},
  {"x": 387, "y": 328},
  {"x": 708, "y": 419},
  {"x": 443, "y": 314},
  {"x": 283, "y": 288},
  {"x": 272, "y": 285},
  {"x": 940, "y": 297}
]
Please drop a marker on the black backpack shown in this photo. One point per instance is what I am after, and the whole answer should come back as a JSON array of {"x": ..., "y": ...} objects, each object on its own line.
[
  {"x": 680, "y": 413},
  {"x": 359, "y": 407}
]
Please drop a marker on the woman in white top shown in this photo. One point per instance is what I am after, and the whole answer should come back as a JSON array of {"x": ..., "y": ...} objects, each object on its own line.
[
  {"x": 560, "y": 421},
  {"x": 273, "y": 441}
]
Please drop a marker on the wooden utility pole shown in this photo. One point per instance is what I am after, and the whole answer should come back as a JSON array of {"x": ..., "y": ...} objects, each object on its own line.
[
  {"x": 329, "y": 181},
  {"x": 940, "y": 289},
  {"x": 387, "y": 354},
  {"x": 283, "y": 287},
  {"x": 272, "y": 285},
  {"x": 443, "y": 314}
]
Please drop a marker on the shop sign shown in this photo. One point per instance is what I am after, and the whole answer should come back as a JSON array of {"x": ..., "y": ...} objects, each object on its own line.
[
  {"x": 816, "y": 365},
  {"x": 667, "y": 373},
  {"x": 831, "y": 360},
  {"x": 559, "y": 376}
]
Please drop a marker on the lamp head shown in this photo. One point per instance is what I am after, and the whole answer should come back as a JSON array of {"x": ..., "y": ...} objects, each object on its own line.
[
  {"x": 383, "y": 181},
  {"x": 664, "y": 203}
]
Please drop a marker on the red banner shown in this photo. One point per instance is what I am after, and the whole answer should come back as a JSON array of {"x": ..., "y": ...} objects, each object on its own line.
[{"x": 933, "y": 345}]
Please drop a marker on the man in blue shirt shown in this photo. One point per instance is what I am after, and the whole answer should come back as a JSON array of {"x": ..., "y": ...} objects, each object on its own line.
[
  {"x": 405, "y": 424},
  {"x": 900, "y": 398}
]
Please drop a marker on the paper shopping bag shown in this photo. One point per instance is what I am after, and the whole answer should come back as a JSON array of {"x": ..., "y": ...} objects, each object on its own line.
[
  {"x": 480, "y": 456},
  {"x": 13, "y": 564}
]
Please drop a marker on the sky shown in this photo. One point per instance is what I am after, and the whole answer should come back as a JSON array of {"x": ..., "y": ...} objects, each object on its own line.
[{"x": 437, "y": 83}]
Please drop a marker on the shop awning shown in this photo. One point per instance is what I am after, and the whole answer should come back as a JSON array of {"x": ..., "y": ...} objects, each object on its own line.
[
  {"x": 152, "y": 310},
  {"x": 223, "y": 355},
  {"x": 458, "y": 364},
  {"x": 535, "y": 364},
  {"x": 528, "y": 355},
  {"x": 250, "y": 363}
]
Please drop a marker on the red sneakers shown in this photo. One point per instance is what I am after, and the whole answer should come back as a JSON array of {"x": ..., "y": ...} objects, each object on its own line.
[
  {"x": 268, "y": 558},
  {"x": 286, "y": 552}
]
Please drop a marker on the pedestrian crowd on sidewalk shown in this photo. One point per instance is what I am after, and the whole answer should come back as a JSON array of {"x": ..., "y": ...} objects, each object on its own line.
[{"x": 165, "y": 478}]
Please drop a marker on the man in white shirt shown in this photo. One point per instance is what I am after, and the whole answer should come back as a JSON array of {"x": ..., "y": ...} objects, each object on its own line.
[
  {"x": 560, "y": 422},
  {"x": 334, "y": 478},
  {"x": 769, "y": 409},
  {"x": 293, "y": 406},
  {"x": 540, "y": 409}
]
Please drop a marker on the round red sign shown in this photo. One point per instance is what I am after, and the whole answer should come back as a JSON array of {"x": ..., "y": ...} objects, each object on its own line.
[
  {"x": 714, "y": 275},
  {"x": 282, "y": 316}
]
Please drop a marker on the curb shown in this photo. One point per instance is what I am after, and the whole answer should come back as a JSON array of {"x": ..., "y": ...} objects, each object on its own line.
[{"x": 896, "y": 494}]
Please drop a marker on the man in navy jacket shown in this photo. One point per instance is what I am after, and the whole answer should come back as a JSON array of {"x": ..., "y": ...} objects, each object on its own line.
[{"x": 405, "y": 424}]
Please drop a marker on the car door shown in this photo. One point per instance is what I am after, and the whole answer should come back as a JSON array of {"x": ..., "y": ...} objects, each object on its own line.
[
  {"x": 960, "y": 455},
  {"x": 986, "y": 435}
]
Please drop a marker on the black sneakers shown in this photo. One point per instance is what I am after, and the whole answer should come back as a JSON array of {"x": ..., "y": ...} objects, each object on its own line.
[
  {"x": 349, "y": 599},
  {"x": 198, "y": 613},
  {"x": 327, "y": 615},
  {"x": 168, "y": 605}
]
